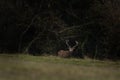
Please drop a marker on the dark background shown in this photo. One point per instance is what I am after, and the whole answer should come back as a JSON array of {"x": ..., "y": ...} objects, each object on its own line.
[{"x": 41, "y": 27}]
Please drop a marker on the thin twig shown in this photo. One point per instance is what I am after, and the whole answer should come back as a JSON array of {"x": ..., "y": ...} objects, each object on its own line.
[
  {"x": 73, "y": 27},
  {"x": 21, "y": 36},
  {"x": 29, "y": 45}
]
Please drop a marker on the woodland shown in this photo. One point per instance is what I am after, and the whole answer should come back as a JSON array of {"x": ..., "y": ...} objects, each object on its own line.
[{"x": 40, "y": 27}]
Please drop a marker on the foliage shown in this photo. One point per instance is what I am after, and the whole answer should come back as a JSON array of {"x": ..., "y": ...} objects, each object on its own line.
[{"x": 41, "y": 26}]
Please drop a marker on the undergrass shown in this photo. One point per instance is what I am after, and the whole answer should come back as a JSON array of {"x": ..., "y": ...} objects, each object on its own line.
[{"x": 26, "y": 67}]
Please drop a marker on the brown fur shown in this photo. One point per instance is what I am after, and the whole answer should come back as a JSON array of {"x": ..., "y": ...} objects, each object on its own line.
[
  {"x": 67, "y": 53},
  {"x": 64, "y": 54}
]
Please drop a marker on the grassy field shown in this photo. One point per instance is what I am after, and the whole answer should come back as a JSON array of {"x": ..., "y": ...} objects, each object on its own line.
[{"x": 26, "y": 67}]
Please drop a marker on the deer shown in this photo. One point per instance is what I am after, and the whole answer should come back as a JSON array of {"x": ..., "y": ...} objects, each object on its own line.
[{"x": 69, "y": 52}]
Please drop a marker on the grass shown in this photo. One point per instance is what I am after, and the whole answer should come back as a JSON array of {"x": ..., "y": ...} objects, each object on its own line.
[{"x": 26, "y": 67}]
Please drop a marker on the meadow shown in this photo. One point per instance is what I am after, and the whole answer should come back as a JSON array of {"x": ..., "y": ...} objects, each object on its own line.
[{"x": 28, "y": 67}]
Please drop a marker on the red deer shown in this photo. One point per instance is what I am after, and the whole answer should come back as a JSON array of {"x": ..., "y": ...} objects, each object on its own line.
[{"x": 67, "y": 53}]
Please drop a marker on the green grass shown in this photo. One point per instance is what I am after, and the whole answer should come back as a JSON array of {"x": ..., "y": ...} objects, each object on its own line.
[{"x": 26, "y": 67}]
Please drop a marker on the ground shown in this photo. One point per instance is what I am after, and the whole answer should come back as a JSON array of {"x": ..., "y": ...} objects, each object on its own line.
[{"x": 27, "y": 67}]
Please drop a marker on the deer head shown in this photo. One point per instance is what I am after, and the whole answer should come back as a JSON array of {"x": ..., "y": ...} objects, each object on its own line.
[{"x": 67, "y": 53}]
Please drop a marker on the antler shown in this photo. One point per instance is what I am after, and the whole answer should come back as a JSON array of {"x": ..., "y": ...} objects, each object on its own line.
[
  {"x": 75, "y": 45},
  {"x": 67, "y": 53},
  {"x": 67, "y": 43},
  {"x": 71, "y": 48}
]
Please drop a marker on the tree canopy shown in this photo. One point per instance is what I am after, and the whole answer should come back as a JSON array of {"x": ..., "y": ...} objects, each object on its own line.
[{"x": 41, "y": 26}]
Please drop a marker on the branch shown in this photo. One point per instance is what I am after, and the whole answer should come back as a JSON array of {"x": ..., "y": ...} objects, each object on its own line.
[
  {"x": 29, "y": 45},
  {"x": 33, "y": 40},
  {"x": 74, "y": 27},
  {"x": 21, "y": 37}
]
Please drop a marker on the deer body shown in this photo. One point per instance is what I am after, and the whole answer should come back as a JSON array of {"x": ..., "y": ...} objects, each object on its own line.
[{"x": 67, "y": 53}]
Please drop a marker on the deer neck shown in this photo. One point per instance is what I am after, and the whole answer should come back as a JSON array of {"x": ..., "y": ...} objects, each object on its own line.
[{"x": 71, "y": 49}]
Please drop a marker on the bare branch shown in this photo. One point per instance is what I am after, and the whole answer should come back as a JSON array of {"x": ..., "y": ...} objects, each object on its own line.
[
  {"x": 73, "y": 27},
  {"x": 29, "y": 45},
  {"x": 28, "y": 26}
]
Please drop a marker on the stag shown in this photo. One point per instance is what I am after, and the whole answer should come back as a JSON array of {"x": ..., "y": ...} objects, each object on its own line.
[{"x": 69, "y": 52}]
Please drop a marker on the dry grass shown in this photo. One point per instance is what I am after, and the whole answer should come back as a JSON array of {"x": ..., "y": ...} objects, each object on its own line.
[{"x": 26, "y": 67}]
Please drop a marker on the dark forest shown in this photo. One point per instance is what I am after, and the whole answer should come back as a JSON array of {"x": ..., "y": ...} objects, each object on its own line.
[{"x": 41, "y": 27}]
